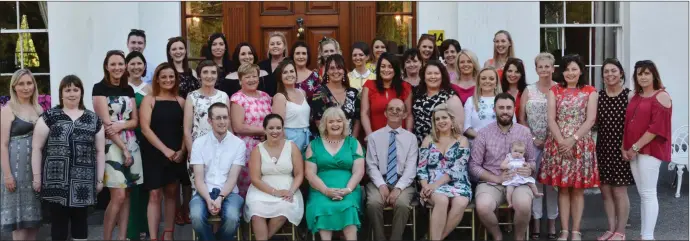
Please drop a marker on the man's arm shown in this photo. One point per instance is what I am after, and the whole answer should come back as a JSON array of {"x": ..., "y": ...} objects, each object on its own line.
[
  {"x": 373, "y": 162},
  {"x": 238, "y": 162},
  {"x": 476, "y": 168},
  {"x": 410, "y": 170},
  {"x": 197, "y": 163}
]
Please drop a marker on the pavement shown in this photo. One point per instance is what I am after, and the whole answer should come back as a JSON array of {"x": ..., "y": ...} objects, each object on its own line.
[{"x": 672, "y": 223}]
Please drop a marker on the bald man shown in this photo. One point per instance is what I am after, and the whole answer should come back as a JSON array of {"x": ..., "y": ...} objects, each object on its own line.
[{"x": 391, "y": 165}]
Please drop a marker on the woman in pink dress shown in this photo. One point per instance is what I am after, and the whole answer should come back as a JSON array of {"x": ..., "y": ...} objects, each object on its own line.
[{"x": 248, "y": 109}]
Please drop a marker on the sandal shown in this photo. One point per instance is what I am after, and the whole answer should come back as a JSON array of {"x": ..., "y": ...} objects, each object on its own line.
[
  {"x": 169, "y": 231},
  {"x": 617, "y": 236},
  {"x": 179, "y": 219},
  {"x": 605, "y": 236},
  {"x": 552, "y": 236},
  {"x": 573, "y": 236},
  {"x": 560, "y": 236},
  {"x": 535, "y": 236}
]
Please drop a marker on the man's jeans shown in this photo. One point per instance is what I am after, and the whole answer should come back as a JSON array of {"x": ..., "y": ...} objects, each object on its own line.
[{"x": 229, "y": 213}]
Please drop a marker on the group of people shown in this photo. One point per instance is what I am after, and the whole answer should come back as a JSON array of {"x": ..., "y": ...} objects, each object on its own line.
[{"x": 240, "y": 136}]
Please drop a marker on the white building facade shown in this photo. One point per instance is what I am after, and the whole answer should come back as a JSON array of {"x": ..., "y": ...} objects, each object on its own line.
[{"x": 81, "y": 32}]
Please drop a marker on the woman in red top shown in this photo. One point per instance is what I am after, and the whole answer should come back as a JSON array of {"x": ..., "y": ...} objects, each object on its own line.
[
  {"x": 377, "y": 93},
  {"x": 646, "y": 139},
  {"x": 514, "y": 80}
]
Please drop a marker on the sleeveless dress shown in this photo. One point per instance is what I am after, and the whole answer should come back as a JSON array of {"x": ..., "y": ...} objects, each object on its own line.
[
  {"x": 255, "y": 109},
  {"x": 137, "y": 227},
  {"x": 535, "y": 110},
  {"x": 517, "y": 180},
  {"x": 422, "y": 106},
  {"x": 433, "y": 164},
  {"x": 335, "y": 171},
  {"x": 200, "y": 125},
  {"x": 20, "y": 209},
  {"x": 166, "y": 124},
  {"x": 278, "y": 175},
  {"x": 558, "y": 170},
  {"x": 613, "y": 170}
]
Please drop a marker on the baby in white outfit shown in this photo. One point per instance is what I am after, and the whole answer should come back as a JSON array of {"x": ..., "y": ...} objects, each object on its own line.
[{"x": 514, "y": 160}]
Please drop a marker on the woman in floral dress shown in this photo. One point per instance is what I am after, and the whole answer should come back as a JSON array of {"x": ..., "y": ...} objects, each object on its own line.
[
  {"x": 569, "y": 155},
  {"x": 247, "y": 112},
  {"x": 444, "y": 151},
  {"x": 336, "y": 91}
]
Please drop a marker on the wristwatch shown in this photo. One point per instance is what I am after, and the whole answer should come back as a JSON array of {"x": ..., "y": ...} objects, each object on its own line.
[
  {"x": 635, "y": 148},
  {"x": 222, "y": 197}
]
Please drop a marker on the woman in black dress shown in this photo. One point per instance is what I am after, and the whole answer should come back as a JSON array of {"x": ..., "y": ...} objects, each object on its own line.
[
  {"x": 161, "y": 124},
  {"x": 434, "y": 89},
  {"x": 614, "y": 172}
]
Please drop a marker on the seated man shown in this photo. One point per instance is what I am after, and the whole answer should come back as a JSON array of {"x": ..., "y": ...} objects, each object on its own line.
[
  {"x": 218, "y": 157},
  {"x": 391, "y": 165},
  {"x": 489, "y": 150}
]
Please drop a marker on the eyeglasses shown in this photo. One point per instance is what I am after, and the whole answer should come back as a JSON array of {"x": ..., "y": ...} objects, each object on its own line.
[{"x": 137, "y": 31}]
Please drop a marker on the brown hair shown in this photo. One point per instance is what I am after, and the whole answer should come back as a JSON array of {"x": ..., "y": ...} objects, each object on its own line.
[
  {"x": 246, "y": 69},
  {"x": 71, "y": 80},
  {"x": 434, "y": 53},
  {"x": 106, "y": 75},
  {"x": 511, "y": 49},
  {"x": 643, "y": 65},
  {"x": 156, "y": 86},
  {"x": 279, "y": 76}
]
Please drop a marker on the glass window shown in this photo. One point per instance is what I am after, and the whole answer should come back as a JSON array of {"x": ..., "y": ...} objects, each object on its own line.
[
  {"x": 394, "y": 23},
  {"x": 201, "y": 20}
]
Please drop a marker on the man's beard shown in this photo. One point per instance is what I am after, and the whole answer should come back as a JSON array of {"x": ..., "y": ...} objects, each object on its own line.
[{"x": 505, "y": 122}]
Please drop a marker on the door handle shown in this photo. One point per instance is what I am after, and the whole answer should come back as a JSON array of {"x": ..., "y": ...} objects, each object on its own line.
[{"x": 300, "y": 28}]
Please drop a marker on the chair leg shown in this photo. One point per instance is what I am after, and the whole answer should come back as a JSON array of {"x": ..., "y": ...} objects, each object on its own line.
[
  {"x": 414, "y": 223},
  {"x": 679, "y": 183},
  {"x": 474, "y": 236}
]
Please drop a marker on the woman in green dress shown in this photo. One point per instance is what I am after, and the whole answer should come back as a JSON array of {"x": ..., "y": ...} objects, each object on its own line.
[
  {"x": 137, "y": 228},
  {"x": 334, "y": 168}
]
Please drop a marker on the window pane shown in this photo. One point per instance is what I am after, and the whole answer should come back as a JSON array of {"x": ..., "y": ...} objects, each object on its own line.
[
  {"x": 606, "y": 12},
  {"x": 8, "y": 61},
  {"x": 397, "y": 30},
  {"x": 34, "y": 17},
  {"x": 204, "y": 7},
  {"x": 35, "y": 47},
  {"x": 551, "y": 41},
  {"x": 551, "y": 12},
  {"x": 577, "y": 42},
  {"x": 405, "y": 7},
  {"x": 604, "y": 44},
  {"x": 198, "y": 30},
  {"x": 8, "y": 11},
  {"x": 43, "y": 82},
  {"x": 578, "y": 12},
  {"x": 4, "y": 91}
]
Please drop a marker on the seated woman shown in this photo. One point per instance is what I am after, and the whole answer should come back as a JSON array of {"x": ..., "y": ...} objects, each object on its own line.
[
  {"x": 442, "y": 171},
  {"x": 276, "y": 171},
  {"x": 334, "y": 168}
]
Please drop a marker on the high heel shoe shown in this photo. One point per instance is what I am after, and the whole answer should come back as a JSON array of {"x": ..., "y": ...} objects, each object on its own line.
[
  {"x": 617, "y": 236},
  {"x": 605, "y": 236},
  {"x": 561, "y": 237},
  {"x": 572, "y": 237}
]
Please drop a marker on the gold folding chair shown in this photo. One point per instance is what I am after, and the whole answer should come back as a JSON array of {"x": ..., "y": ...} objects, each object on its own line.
[
  {"x": 472, "y": 227},
  {"x": 410, "y": 223},
  {"x": 292, "y": 233},
  {"x": 509, "y": 223},
  {"x": 215, "y": 221}
]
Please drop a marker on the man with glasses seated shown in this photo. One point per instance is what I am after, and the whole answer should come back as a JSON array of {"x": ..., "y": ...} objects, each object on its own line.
[
  {"x": 391, "y": 163},
  {"x": 136, "y": 41},
  {"x": 218, "y": 157}
]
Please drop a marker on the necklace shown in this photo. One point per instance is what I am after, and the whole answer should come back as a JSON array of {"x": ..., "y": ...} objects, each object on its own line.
[{"x": 333, "y": 142}]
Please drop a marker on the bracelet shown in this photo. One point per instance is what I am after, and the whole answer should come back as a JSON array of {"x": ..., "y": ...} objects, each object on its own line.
[
  {"x": 8, "y": 177},
  {"x": 99, "y": 182},
  {"x": 349, "y": 189}
]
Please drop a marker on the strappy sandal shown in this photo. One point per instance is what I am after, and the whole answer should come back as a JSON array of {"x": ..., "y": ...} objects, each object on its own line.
[
  {"x": 605, "y": 236},
  {"x": 617, "y": 236},
  {"x": 552, "y": 236},
  {"x": 572, "y": 237},
  {"x": 560, "y": 236},
  {"x": 535, "y": 236},
  {"x": 169, "y": 231}
]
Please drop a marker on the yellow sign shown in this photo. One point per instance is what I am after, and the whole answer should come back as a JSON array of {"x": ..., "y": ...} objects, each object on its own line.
[{"x": 438, "y": 34}]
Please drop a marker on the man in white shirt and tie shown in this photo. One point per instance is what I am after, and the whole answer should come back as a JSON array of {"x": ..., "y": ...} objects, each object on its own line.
[
  {"x": 391, "y": 165},
  {"x": 218, "y": 157}
]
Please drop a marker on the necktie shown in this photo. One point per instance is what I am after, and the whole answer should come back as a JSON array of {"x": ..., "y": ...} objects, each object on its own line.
[{"x": 392, "y": 172}]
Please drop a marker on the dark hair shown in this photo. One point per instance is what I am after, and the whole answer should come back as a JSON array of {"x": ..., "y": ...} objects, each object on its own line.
[
  {"x": 203, "y": 64},
  {"x": 340, "y": 63},
  {"x": 208, "y": 54},
  {"x": 136, "y": 32},
  {"x": 409, "y": 54},
  {"x": 67, "y": 81},
  {"x": 216, "y": 105},
  {"x": 279, "y": 76},
  {"x": 236, "y": 55},
  {"x": 434, "y": 52},
  {"x": 397, "y": 82},
  {"x": 643, "y": 65},
  {"x": 616, "y": 63},
  {"x": 106, "y": 74},
  {"x": 185, "y": 60},
  {"x": 155, "y": 86},
  {"x": 300, "y": 44},
  {"x": 445, "y": 45},
  {"x": 134, "y": 54},
  {"x": 504, "y": 95},
  {"x": 522, "y": 82},
  {"x": 272, "y": 116},
  {"x": 362, "y": 46},
  {"x": 373, "y": 41},
  {"x": 564, "y": 66},
  {"x": 445, "y": 79}
]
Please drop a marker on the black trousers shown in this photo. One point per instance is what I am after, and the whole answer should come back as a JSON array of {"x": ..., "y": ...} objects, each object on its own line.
[{"x": 62, "y": 217}]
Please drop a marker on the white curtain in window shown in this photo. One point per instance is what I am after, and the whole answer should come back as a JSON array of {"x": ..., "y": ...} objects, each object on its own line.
[{"x": 43, "y": 6}]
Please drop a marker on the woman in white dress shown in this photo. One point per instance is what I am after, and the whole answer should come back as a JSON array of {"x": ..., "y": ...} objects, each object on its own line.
[
  {"x": 276, "y": 170},
  {"x": 291, "y": 104},
  {"x": 479, "y": 108}
]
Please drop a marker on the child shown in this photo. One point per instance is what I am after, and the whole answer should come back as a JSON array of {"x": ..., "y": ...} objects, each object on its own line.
[{"x": 514, "y": 160}]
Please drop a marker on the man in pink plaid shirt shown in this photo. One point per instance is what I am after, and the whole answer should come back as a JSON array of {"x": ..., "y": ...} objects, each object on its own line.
[{"x": 489, "y": 149}]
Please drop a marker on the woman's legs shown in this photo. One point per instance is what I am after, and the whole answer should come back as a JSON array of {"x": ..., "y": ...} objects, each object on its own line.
[
  {"x": 124, "y": 217},
  {"x": 326, "y": 234},
  {"x": 551, "y": 199},
  {"x": 564, "y": 206},
  {"x": 645, "y": 170},
  {"x": 610, "y": 208},
  {"x": 622, "y": 203},
  {"x": 274, "y": 224},
  {"x": 577, "y": 205},
  {"x": 171, "y": 195},
  {"x": 260, "y": 228},
  {"x": 439, "y": 214},
  {"x": 80, "y": 228},
  {"x": 153, "y": 212},
  {"x": 350, "y": 232},
  {"x": 112, "y": 212},
  {"x": 457, "y": 209}
]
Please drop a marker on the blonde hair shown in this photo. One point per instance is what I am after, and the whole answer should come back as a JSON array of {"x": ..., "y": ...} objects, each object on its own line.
[
  {"x": 282, "y": 37},
  {"x": 14, "y": 100},
  {"x": 246, "y": 69},
  {"x": 511, "y": 49},
  {"x": 330, "y": 113},
  {"x": 455, "y": 131},
  {"x": 545, "y": 56},
  {"x": 473, "y": 58},
  {"x": 478, "y": 89},
  {"x": 324, "y": 41}
]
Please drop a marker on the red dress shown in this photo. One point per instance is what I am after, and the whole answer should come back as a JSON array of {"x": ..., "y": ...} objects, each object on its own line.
[
  {"x": 463, "y": 93},
  {"x": 379, "y": 100},
  {"x": 647, "y": 114},
  {"x": 557, "y": 169}
]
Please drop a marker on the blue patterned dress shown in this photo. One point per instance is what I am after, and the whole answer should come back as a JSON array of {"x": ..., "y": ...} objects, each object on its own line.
[{"x": 433, "y": 164}]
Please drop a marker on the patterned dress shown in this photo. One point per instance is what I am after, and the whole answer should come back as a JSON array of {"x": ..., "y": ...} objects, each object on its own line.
[
  {"x": 323, "y": 99},
  {"x": 421, "y": 110},
  {"x": 310, "y": 85},
  {"x": 255, "y": 109},
  {"x": 613, "y": 170},
  {"x": 580, "y": 171},
  {"x": 433, "y": 165},
  {"x": 188, "y": 83},
  {"x": 535, "y": 110},
  {"x": 69, "y": 164},
  {"x": 200, "y": 125}
]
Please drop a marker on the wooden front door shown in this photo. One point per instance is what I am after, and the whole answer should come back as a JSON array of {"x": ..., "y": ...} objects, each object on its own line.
[{"x": 346, "y": 22}]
